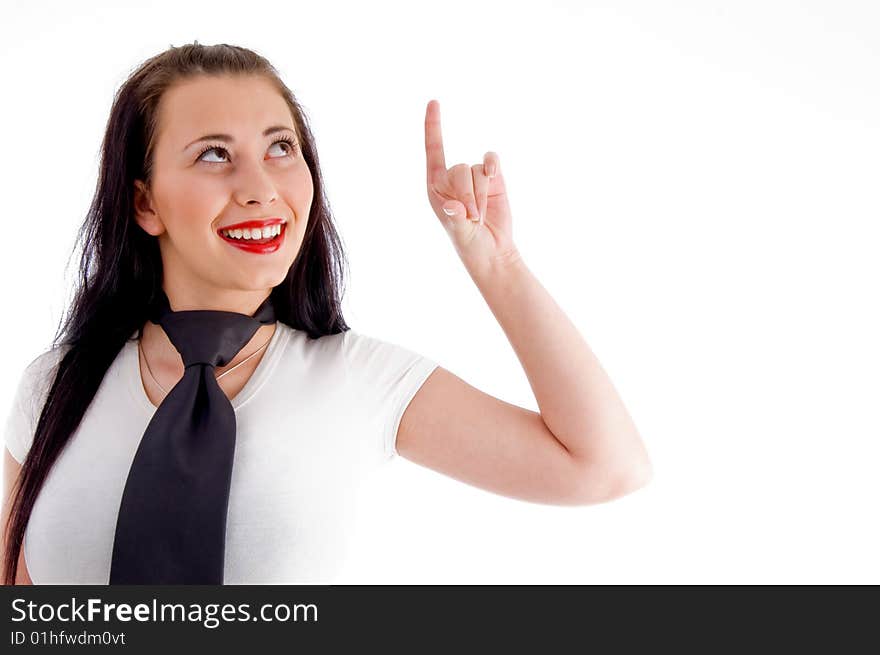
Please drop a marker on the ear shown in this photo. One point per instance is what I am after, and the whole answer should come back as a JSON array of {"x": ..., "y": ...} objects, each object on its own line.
[{"x": 144, "y": 214}]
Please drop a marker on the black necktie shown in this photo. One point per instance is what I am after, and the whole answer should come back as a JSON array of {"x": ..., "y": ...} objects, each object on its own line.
[{"x": 171, "y": 527}]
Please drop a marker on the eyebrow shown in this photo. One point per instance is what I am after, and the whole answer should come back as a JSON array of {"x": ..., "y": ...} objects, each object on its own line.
[{"x": 230, "y": 139}]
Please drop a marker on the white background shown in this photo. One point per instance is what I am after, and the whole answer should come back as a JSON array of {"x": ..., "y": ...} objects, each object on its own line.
[{"x": 695, "y": 183}]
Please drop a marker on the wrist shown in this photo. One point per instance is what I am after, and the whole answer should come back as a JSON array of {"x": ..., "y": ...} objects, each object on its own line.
[{"x": 507, "y": 264}]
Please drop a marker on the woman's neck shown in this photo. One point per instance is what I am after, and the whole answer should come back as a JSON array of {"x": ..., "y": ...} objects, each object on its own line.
[
  {"x": 163, "y": 356},
  {"x": 192, "y": 296}
]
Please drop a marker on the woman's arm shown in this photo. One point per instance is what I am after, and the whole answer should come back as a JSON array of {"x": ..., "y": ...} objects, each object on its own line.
[
  {"x": 582, "y": 448},
  {"x": 11, "y": 471}
]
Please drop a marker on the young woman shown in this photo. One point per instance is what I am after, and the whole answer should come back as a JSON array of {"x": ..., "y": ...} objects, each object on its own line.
[{"x": 210, "y": 196}]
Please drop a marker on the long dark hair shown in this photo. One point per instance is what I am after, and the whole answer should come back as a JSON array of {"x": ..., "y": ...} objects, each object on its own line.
[{"x": 120, "y": 268}]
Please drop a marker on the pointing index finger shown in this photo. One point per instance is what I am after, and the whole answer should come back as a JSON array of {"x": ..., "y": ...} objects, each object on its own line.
[{"x": 436, "y": 160}]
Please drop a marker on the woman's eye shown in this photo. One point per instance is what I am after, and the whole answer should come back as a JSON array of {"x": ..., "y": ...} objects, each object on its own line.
[
  {"x": 205, "y": 152},
  {"x": 289, "y": 149}
]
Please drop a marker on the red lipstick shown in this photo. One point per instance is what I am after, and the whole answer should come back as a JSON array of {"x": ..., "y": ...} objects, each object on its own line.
[
  {"x": 263, "y": 222},
  {"x": 259, "y": 246}
]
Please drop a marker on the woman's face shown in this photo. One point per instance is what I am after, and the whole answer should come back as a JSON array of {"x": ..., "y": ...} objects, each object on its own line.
[{"x": 245, "y": 175}]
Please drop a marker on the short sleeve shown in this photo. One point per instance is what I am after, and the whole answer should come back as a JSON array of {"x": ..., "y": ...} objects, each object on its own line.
[
  {"x": 386, "y": 378},
  {"x": 27, "y": 403}
]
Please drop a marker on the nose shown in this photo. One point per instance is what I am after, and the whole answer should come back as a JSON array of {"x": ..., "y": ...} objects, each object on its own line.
[{"x": 254, "y": 184}]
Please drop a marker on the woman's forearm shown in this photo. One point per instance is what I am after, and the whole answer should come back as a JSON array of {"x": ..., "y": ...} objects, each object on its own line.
[{"x": 577, "y": 400}]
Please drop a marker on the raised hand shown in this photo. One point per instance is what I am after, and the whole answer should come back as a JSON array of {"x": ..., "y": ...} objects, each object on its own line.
[{"x": 470, "y": 201}]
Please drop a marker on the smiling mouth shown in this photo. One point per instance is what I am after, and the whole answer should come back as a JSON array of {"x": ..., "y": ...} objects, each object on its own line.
[{"x": 249, "y": 236}]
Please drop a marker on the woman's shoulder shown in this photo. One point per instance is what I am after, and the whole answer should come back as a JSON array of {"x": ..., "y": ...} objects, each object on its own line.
[
  {"x": 368, "y": 352},
  {"x": 348, "y": 345},
  {"x": 37, "y": 376},
  {"x": 46, "y": 362},
  {"x": 30, "y": 395},
  {"x": 359, "y": 350},
  {"x": 287, "y": 334}
]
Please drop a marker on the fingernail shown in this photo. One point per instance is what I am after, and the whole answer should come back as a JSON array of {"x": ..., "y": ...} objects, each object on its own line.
[
  {"x": 449, "y": 212},
  {"x": 491, "y": 171}
]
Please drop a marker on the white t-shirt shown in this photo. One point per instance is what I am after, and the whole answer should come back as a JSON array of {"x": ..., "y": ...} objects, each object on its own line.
[{"x": 315, "y": 418}]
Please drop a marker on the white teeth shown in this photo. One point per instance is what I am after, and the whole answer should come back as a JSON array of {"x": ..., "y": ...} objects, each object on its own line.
[{"x": 253, "y": 233}]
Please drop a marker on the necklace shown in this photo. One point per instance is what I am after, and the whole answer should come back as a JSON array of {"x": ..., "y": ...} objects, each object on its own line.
[{"x": 141, "y": 349}]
